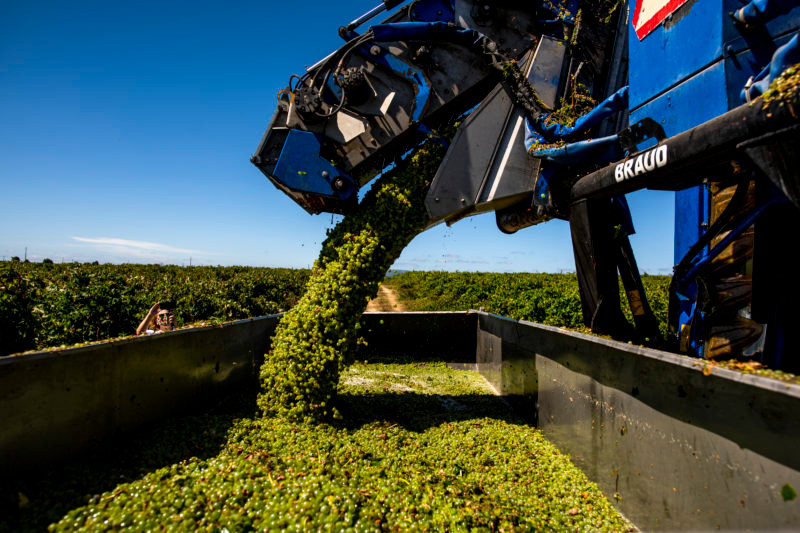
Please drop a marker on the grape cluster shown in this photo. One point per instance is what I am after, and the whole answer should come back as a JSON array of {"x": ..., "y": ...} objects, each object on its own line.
[{"x": 315, "y": 340}]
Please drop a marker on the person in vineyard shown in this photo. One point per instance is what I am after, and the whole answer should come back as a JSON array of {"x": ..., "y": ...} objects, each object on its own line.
[{"x": 159, "y": 318}]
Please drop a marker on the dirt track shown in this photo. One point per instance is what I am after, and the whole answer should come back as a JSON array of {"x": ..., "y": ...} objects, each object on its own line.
[{"x": 386, "y": 301}]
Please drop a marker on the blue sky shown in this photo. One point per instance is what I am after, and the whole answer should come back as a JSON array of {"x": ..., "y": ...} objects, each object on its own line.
[{"x": 126, "y": 130}]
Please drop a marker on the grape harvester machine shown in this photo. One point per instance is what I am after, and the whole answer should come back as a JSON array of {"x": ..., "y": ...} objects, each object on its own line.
[{"x": 679, "y": 87}]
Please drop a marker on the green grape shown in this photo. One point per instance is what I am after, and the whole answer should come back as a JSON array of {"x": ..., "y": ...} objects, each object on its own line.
[
  {"x": 404, "y": 460},
  {"x": 316, "y": 339}
]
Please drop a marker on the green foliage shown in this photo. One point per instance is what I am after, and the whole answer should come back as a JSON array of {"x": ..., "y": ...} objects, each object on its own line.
[
  {"x": 19, "y": 290},
  {"x": 552, "y": 299},
  {"x": 657, "y": 290},
  {"x": 45, "y": 305},
  {"x": 422, "y": 448},
  {"x": 788, "y": 493}
]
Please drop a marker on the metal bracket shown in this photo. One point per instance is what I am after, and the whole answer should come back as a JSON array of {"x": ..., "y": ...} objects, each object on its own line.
[
  {"x": 775, "y": 154},
  {"x": 647, "y": 128}
]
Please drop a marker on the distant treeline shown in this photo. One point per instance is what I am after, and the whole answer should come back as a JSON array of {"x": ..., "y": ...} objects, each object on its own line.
[{"x": 44, "y": 304}]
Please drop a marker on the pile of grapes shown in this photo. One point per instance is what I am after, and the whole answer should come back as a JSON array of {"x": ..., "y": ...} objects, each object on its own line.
[{"x": 422, "y": 447}]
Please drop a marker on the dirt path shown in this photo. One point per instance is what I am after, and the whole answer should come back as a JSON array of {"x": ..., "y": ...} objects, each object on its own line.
[{"x": 387, "y": 300}]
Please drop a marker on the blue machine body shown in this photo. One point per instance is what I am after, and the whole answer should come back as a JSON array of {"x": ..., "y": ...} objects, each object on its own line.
[
  {"x": 302, "y": 169},
  {"x": 681, "y": 80},
  {"x": 693, "y": 67}
]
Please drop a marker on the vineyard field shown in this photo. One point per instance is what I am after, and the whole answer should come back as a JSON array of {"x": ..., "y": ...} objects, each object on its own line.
[
  {"x": 46, "y": 305},
  {"x": 551, "y": 299}
]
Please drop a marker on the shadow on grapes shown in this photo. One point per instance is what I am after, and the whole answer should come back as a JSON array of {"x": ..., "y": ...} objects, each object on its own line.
[
  {"x": 400, "y": 355},
  {"x": 418, "y": 412},
  {"x": 43, "y": 497}
]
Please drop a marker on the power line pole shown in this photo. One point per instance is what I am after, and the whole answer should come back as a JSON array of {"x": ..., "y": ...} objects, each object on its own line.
[{"x": 26, "y": 253}]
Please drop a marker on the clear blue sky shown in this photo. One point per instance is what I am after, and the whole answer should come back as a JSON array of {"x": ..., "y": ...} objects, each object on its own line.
[{"x": 126, "y": 130}]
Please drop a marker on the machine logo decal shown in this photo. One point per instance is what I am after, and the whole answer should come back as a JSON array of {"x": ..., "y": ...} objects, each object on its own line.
[
  {"x": 642, "y": 163},
  {"x": 648, "y": 14}
]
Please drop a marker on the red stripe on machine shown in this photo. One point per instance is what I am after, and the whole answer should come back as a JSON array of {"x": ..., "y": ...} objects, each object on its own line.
[{"x": 648, "y": 14}]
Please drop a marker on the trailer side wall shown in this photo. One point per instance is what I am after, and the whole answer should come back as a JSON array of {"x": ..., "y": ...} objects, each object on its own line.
[{"x": 678, "y": 449}]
